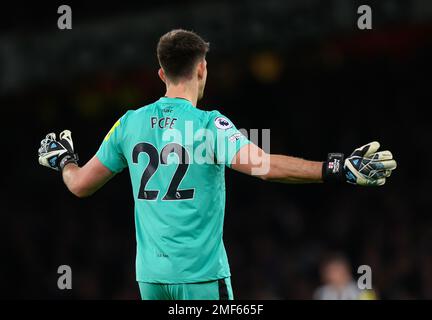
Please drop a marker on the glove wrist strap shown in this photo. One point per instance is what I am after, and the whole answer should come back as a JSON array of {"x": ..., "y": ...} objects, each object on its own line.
[
  {"x": 333, "y": 168},
  {"x": 69, "y": 158}
]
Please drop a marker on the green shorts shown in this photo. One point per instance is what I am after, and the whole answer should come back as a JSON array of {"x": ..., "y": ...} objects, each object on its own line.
[{"x": 211, "y": 290}]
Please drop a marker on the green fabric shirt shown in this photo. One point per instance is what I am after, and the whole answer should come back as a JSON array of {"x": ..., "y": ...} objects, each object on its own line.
[{"x": 176, "y": 156}]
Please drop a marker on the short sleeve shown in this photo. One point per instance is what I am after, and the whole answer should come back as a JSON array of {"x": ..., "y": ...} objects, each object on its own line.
[
  {"x": 228, "y": 139},
  {"x": 110, "y": 152}
]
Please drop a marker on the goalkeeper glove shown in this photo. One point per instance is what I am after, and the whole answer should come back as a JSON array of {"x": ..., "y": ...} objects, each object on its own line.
[
  {"x": 56, "y": 154},
  {"x": 365, "y": 166}
]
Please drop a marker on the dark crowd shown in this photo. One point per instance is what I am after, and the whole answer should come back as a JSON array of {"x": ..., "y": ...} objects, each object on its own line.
[{"x": 317, "y": 92}]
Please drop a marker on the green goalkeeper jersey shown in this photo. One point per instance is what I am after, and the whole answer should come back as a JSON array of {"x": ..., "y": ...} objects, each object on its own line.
[{"x": 176, "y": 155}]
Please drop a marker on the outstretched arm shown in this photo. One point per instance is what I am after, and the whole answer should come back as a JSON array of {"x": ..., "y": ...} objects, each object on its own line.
[
  {"x": 85, "y": 181},
  {"x": 366, "y": 166},
  {"x": 278, "y": 168}
]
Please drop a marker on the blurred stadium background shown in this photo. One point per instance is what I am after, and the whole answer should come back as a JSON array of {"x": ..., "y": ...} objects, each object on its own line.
[{"x": 300, "y": 68}]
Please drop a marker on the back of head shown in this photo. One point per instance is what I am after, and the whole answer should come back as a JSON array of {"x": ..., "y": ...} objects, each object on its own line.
[{"x": 179, "y": 51}]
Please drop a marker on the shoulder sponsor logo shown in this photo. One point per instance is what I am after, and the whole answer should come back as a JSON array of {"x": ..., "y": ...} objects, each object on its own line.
[
  {"x": 223, "y": 123},
  {"x": 235, "y": 137}
]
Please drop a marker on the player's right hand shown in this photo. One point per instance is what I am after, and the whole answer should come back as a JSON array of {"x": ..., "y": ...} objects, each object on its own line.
[
  {"x": 55, "y": 154},
  {"x": 367, "y": 166}
]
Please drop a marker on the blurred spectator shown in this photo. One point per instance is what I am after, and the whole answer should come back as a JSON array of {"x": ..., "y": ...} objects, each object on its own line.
[{"x": 339, "y": 283}]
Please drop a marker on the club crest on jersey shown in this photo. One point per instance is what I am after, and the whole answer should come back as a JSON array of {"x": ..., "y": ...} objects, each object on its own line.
[{"x": 223, "y": 123}]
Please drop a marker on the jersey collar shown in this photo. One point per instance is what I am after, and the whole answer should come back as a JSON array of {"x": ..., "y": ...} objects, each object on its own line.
[{"x": 175, "y": 100}]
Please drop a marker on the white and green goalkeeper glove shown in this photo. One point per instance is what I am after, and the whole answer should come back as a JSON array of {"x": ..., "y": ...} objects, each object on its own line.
[
  {"x": 55, "y": 154},
  {"x": 366, "y": 166}
]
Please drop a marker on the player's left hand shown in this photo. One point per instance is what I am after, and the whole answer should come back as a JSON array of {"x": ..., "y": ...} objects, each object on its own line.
[
  {"x": 366, "y": 166},
  {"x": 55, "y": 154}
]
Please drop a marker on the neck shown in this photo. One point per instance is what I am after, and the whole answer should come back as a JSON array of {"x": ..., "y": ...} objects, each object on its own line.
[{"x": 188, "y": 91}]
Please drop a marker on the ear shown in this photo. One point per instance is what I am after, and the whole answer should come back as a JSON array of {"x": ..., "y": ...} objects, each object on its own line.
[
  {"x": 202, "y": 65},
  {"x": 162, "y": 76}
]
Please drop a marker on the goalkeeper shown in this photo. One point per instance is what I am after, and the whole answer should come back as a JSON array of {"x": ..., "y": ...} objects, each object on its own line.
[{"x": 179, "y": 202}]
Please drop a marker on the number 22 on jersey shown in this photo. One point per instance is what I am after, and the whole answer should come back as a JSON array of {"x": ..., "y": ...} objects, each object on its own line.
[{"x": 155, "y": 160}]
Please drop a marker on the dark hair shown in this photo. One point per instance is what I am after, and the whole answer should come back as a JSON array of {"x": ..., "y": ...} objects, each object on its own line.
[{"x": 178, "y": 52}]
